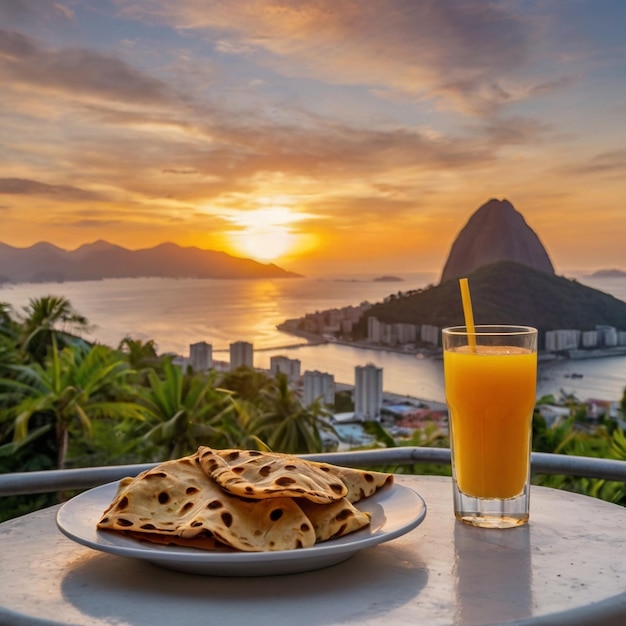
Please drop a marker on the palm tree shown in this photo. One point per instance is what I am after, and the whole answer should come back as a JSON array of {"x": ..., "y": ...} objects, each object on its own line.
[
  {"x": 246, "y": 383},
  {"x": 9, "y": 333},
  {"x": 286, "y": 424},
  {"x": 8, "y": 326},
  {"x": 9, "y": 355},
  {"x": 271, "y": 415},
  {"x": 70, "y": 389},
  {"x": 47, "y": 318},
  {"x": 142, "y": 357},
  {"x": 188, "y": 409}
]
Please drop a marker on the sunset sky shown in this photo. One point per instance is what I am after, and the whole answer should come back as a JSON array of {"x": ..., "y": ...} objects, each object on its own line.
[{"x": 325, "y": 136}]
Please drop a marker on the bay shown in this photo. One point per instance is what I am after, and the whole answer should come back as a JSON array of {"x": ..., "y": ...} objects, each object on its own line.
[{"x": 178, "y": 312}]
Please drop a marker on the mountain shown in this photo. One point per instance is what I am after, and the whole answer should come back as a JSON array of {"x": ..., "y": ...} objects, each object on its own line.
[
  {"x": 506, "y": 293},
  {"x": 495, "y": 232},
  {"x": 44, "y": 262}
]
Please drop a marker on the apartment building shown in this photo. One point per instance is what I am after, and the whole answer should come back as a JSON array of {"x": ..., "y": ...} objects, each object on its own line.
[
  {"x": 241, "y": 353},
  {"x": 368, "y": 392},
  {"x": 201, "y": 356},
  {"x": 289, "y": 367},
  {"x": 318, "y": 386}
]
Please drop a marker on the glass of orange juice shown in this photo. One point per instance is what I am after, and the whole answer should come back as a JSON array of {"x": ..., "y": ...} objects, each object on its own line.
[{"x": 490, "y": 381}]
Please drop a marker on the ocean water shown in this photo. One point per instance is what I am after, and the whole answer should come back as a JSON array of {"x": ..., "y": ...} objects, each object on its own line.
[{"x": 178, "y": 312}]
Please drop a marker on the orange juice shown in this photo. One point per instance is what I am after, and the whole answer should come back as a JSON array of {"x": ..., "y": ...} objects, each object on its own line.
[{"x": 490, "y": 392}]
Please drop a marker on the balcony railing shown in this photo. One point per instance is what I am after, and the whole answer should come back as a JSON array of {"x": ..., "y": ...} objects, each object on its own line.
[{"x": 22, "y": 483}]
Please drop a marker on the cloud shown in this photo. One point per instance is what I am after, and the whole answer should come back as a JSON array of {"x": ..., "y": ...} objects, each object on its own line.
[
  {"x": 94, "y": 224},
  {"x": 21, "y": 186},
  {"x": 16, "y": 11},
  {"x": 172, "y": 170},
  {"x": 516, "y": 130},
  {"x": 64, "y": 10},
  {"x": 75, "y": 72},
  {"x": 460, "y": 55},
  {"x": 556, "y": 85},
  {"x": 611, "y": 163}
]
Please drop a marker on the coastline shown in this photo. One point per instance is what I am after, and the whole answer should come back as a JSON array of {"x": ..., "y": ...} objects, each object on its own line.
[
  {"x": 596, "y": 353},
  {"x": 288, "y": 327},
  {"x": 595, "y": 374},
  {"x": 175, "y": 313}
]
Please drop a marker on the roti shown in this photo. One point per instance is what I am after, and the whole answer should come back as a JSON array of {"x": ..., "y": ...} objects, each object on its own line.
[
  {"x": 255, "y": 474},
  {"x": 359, "y": 483},
  {"x": 177, "y": 499},
  {"x": 241, "y": 500},
  {"x": 334, "y": 520},
  {"x": 202, "y": 541},
  {"x": 265, "y": 475}
]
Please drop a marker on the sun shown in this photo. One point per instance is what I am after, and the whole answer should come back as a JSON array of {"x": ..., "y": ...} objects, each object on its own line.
[{"x": 264, "y": 234}]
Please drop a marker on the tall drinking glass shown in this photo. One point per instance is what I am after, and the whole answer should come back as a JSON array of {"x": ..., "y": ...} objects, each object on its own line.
[{"x": 490, "y": 381}]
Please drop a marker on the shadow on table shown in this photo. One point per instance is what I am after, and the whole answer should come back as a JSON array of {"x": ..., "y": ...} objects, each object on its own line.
[{"x": 131, "y": 591}]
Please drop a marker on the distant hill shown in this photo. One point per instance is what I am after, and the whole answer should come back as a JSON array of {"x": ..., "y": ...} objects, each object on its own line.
[
  {"x": 613, "y": 273},
  {"x": 44, "y": 262},
  {"x": 506, "y": 293},
  {"x": 495, "y": 232},
  {"x": 388, "y": 279}
]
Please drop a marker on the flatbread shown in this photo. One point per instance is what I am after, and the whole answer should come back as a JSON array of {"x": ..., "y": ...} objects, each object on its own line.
[
  {"x": 359, "y": 483},
  {"x": 263, "y": 475},
  {"x": 255, "y": 474},
  {"x": 178, "y": 499},
  {"x": 242, "y": 500},
  {"x": 334, "y": 520},
  {"x": 202, "y": 541}
]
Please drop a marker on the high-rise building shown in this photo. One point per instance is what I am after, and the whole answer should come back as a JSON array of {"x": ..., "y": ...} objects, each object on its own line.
[
  {"x": 607, "y": 335},
  {"x": 430, "y": 334},
  {"x": 374, "y": 329},
  {"x": 589, "y": 338},
  {"x": 318, "y": 386},
  {"x": 368, "y": 392},
  {"x": 565, "y": 339},
  {"x": 289, "y": 367},
  {"x": 406, "y": 333},
  {"x": 201, "y": 356},
  {"x": 241, "y": 353}
]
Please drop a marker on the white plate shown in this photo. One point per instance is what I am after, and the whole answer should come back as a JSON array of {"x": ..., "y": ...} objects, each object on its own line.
[{"x": 395, "y": 511}]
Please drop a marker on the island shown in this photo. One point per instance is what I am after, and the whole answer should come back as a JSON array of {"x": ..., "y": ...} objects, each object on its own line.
[
  {"x": 612, "y": 273},
  {"x": 388, "y": 279}
]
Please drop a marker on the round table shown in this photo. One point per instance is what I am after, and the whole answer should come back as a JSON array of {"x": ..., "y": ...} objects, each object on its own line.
[{"x": 567, "y": 566}]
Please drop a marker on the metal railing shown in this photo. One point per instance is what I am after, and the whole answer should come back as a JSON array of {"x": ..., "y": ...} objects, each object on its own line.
[{"x": 22, "y": 483}]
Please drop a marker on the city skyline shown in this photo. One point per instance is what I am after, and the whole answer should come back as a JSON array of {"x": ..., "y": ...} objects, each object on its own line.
[{"x": 318, "y": 136}]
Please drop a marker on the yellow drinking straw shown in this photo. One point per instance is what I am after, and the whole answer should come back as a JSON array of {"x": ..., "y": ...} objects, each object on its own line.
[{"x": 467, "y": 312}]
